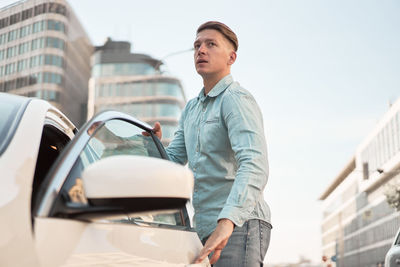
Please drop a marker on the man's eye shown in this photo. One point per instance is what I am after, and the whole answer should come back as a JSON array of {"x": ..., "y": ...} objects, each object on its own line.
[{"x": 211, "y": 44}]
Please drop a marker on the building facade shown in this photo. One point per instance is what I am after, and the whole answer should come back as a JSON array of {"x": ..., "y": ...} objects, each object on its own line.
[
  {"x": 131, "y": 83},
  {"x": 45, "y": 53},
  {"x": 358, "y": 225}
]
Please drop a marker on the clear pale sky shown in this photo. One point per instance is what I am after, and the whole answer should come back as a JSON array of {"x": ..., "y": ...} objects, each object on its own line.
[{"x": 323, "y": 73}]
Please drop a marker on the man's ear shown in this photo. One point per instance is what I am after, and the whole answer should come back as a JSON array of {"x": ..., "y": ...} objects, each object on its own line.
[{"x": 232, "y": 57}]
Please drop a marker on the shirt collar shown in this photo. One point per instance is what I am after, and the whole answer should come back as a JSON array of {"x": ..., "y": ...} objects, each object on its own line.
[{"x": 218, "y": 88}]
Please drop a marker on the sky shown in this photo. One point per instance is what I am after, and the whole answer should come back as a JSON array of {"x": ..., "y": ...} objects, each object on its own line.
[{"x": 323, "y": 73}]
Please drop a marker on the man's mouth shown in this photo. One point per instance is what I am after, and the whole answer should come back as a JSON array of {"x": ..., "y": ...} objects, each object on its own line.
[{"x": 201, "y": 61}]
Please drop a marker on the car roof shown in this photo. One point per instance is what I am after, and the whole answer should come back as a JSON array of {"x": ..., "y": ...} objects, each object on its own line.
[
  {"x": 14, "y": 98},
  {"x": 12, "y": 107}
]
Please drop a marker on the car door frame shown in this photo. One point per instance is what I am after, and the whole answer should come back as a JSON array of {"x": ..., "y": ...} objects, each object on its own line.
[{"x": 50, "y": 190}]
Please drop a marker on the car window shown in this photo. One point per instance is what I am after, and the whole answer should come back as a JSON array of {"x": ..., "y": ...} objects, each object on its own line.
[
  {"x": 116, "y": 137},
  {"x": 52, "y": 143}
]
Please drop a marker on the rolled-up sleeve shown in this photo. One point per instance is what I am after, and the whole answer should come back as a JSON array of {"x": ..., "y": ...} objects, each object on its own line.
[
  {"x": 244, "y": 123},
  {"x": 176, "y": 150}
]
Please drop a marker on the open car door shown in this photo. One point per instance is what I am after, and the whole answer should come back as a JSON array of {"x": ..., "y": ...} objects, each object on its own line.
[{"x": 112, "y": 198}]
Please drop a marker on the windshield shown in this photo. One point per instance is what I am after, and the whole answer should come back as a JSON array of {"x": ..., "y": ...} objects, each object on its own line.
[{"x": 11, "y": 109}]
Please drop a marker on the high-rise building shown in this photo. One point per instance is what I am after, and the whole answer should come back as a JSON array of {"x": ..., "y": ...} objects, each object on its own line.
[
  {"x": 358, "y": 224},
  {"x": 132, "y": 83},
  {"x": 45, "y": 53}
]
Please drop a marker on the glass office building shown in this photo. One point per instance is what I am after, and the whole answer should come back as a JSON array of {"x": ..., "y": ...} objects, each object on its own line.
[
  {"x": 45, "y": 53},
  {"x": 131, "y": 83},
  {"x": 358, "y": 225}
]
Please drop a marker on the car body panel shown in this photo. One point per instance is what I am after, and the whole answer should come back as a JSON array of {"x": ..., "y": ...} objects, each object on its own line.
[
  {"x": 98, "y": 242},
  {"x": 392, "y": 258},
  {"x": 16, "y": 183}
]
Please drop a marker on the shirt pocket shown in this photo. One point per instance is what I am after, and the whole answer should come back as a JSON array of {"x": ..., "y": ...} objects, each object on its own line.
[{"x": 211, "y": 134}]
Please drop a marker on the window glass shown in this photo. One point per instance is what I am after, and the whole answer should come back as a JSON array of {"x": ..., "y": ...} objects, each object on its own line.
[
  {"x": 117, "y": 137},
  {"x": 3, "y": 38},
  {"x": 122, "y": 69}
]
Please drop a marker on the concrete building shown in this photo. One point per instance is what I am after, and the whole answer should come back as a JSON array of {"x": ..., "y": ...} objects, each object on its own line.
[
  {"x": 45, "y": 53},
  {"x": 131, "y": 83},
  {"x": 358, "y": 224}
]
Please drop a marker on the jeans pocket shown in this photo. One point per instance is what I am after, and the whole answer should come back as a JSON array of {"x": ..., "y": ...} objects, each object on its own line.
[{"x": 265, "y": 237}]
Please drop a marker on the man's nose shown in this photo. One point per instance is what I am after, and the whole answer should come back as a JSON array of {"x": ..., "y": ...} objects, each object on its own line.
[{"x": 202, "y": 49}]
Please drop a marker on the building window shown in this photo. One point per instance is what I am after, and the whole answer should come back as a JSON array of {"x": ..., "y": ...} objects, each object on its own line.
[
  {"x": 55, "y": 25},
  {"x": 38, "y": 26},
  {"x": 3, "y": 38},
  {"x": 46, "y": 95},
  {"x": 22, "y": 65},
  {"x": 15, "y": 18},
  {"x": 24, "y": 47},
  {"x": 40, "y": 9},
  {"x": 384, "y": 145},
  {"x": 26, "y": 14},
  {"x": 37, "y": 10},
  {"x": 11, "y": 51},
  {"x": 45, "y": 77},
  {"x": 54, "y": 42},
  {"x": 49, "y": 77},
  {"x": 22, "y": 82},
  {"x": 4, "y": 22},
  {"x": 122, "y": 69},
  {"x": 12, "y": 35},
  {"x": 25, "y": 30},
  {"x": 37, "y": 43}
]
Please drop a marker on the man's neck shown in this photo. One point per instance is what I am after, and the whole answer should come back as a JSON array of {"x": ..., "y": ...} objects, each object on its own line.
[{"x": 210, "y": 81}]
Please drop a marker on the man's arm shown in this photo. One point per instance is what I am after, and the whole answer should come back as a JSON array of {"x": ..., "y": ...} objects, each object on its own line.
[{"x": 244, "y": 123}]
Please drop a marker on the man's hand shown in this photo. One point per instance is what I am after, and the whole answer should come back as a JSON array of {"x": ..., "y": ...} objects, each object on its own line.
[
  {"x": 217, "y": 241},
  {"x": 156, "y": 130}
]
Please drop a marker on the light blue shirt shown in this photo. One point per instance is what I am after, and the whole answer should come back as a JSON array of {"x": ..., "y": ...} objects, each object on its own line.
[{"x": 221, "y": 135}]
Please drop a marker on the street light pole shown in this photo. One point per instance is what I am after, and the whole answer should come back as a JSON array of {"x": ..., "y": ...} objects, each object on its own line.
[{"x": 157, "y": 67}]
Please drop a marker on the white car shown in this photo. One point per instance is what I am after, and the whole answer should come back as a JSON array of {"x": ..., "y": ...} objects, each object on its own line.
[
  {"x": 103, "y": 196},
  {"x": 392, "y": 258}
]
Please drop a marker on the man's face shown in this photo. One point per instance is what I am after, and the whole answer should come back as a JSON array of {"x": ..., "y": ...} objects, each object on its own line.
[{"x": 213, "y": 54}]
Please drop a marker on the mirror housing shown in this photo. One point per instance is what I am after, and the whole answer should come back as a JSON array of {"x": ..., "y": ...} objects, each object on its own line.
[{"x": 137, "y": 183}]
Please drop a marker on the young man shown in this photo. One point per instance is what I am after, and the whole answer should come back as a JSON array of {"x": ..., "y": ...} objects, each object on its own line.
[{"x": 221, "y": 135}]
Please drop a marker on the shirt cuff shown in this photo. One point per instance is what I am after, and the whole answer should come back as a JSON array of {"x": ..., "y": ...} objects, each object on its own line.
[{"x": 236, "y": 215}]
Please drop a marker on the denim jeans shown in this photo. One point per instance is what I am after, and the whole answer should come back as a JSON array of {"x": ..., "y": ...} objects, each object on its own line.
[{"x": 247, "y": 245}]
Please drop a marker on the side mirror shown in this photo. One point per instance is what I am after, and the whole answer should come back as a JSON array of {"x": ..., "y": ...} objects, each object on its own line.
[{"x": 137, "y": 183}]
